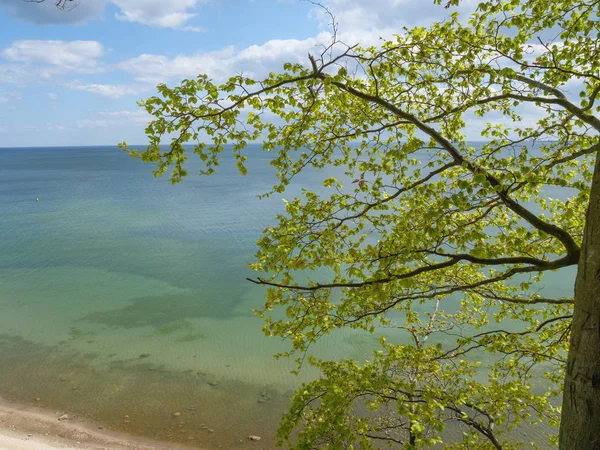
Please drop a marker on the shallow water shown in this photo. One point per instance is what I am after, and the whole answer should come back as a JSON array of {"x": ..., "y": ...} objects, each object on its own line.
[{"x": 124, "y": 295}]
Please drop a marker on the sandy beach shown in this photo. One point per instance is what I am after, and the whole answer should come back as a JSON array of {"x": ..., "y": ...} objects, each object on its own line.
[{"x": 26, "y": 428}]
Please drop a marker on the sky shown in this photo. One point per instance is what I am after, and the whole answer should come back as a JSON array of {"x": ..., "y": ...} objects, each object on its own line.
[{"x": 74, "y": 77}]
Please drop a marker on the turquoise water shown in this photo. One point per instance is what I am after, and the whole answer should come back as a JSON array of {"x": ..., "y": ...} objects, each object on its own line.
[{"x": 122, "y": 295}]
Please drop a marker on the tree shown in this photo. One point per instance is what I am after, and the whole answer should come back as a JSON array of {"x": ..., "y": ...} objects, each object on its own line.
[{"x": 426, "y": 232}]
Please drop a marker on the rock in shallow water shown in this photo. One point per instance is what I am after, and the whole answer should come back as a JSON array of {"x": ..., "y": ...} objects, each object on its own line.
[{"x": 254, "y": 438}]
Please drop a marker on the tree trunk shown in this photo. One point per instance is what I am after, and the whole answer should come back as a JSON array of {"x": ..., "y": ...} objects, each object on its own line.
[{"x": 580, "y": 422}]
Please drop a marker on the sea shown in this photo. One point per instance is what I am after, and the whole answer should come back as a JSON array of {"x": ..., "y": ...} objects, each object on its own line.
[{"x": 124, "y": 300}]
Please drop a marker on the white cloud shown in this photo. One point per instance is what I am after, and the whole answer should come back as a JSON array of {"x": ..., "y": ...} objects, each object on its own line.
[
  {"x": 12, "y": 73},
  {"x": 256, "y": 60},
  {"x": 138, "y": 116},
  {"x": 352, "y": 15},
  {"x": 52, "y": 127},
  {"x": 113, "y": 91},
  {"x": 195, "y": 29},
  {"x": 87, "y": 123},
  {"x": 48, "y": 13},
  {"x": 387, "y": 15},
  {"x": 253, "y": 61},
  {"x": 358, "y": 22},
  {"x": 157, "y": 68},
  {"x": 279, "y": 49},
  {"x": 71, "y": 56},
  {"x": 52, "y": 96},
  {"x": 160, "y": 13}
]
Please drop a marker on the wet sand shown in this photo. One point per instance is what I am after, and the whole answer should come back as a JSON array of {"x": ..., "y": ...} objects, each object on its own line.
[
  {"x": 138, "y": 398},
  {"x": 27, "y": 428}
]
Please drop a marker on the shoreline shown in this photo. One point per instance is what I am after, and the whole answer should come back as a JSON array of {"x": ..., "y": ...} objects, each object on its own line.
[{"x": 32, "y": 428}]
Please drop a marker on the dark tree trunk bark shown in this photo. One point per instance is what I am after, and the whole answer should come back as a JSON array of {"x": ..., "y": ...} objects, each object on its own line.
[{"x": 580, "y": 422}]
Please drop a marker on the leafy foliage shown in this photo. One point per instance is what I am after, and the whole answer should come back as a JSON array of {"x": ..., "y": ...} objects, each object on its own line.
[{"x": 443, "y": 240}]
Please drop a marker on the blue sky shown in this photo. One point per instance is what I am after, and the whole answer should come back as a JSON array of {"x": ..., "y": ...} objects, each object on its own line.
[{"x": 73, "y": 78}]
